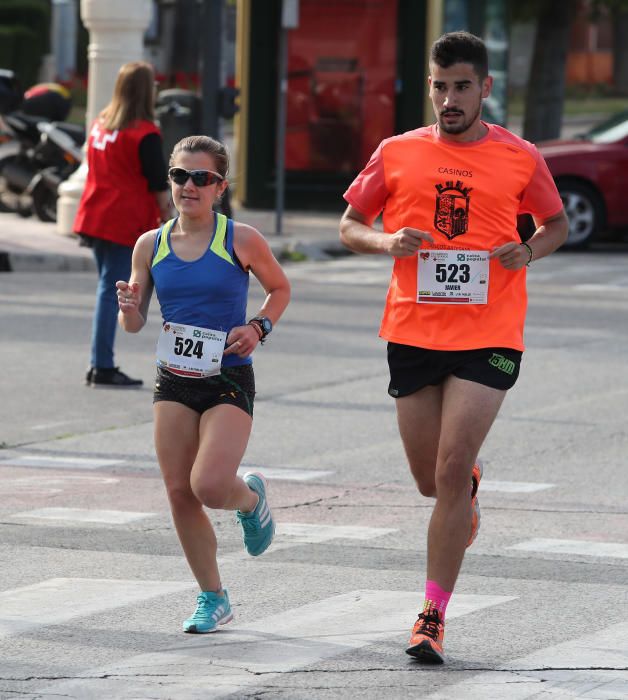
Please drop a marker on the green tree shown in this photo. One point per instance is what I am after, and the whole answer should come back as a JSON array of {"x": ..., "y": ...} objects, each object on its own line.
[
  {"x": 619, "y": 15},
  {"x": 545, "y": 95},
  {"x": 543, "y": 110},
  {"x": 24, "y": 36}
]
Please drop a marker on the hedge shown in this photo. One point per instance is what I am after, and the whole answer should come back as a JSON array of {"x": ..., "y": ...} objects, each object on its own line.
[{"x": 24, "y": 37}]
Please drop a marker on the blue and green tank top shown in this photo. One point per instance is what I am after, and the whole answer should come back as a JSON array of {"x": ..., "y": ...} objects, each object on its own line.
[{"x": 210, "y": 292}]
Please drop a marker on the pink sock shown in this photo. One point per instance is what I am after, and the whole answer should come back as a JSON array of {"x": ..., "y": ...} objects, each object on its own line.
[{"x": 436, "y": 596}]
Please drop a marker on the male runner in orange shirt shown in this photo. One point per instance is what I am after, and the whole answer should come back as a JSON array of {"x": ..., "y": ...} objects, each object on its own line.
[{"x": 454, "y": 316}]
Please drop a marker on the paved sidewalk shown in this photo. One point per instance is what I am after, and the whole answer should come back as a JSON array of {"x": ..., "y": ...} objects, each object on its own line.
[{"x": 30, "y": 245}]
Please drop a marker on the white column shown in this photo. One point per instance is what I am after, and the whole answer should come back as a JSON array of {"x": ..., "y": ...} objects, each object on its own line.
[{"x": 116, "y": 32}]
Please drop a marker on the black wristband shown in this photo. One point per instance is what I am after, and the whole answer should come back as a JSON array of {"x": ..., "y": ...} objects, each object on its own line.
[
  {"x": 529, "y": 253},
  {"x": 258, "y": 328}
]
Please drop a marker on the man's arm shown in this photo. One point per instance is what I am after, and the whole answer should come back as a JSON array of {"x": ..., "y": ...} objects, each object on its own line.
[
  {"x": 550, "y": 234},
  {"x": 357, "y": 234}
]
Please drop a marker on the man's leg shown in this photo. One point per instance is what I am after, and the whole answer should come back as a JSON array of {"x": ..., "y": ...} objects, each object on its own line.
[
  {"x": 419, "y": 420},
  {"x": 468, "y": 412},
  {"x": 443, "y": 429}
]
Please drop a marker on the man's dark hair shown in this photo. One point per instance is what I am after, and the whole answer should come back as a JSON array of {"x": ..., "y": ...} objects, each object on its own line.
[{"x": 460, "y": 47}]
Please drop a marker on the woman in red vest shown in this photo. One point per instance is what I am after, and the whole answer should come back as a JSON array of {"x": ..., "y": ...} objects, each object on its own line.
[{"x": 126, "y": 194}]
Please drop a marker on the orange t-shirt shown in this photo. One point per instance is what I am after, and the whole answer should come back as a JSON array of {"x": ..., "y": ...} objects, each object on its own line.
[{"x": 468, "y": 196}]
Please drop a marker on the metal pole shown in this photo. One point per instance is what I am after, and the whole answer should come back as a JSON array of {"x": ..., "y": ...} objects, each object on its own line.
[
  {"x": 289, "y": 20},
  {"x": 211, "y": 31},
  {"x": 282, "y": 89}
]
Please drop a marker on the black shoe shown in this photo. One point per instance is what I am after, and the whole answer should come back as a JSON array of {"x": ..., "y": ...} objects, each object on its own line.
[
  {"x": 88, "y": 376},
  {"x": 112, "y": 376}
]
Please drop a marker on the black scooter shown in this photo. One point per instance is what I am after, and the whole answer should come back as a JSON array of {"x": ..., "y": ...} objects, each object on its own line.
[
  {"x": 35, "y": 161},
  {"x": 38, "y": 150}
]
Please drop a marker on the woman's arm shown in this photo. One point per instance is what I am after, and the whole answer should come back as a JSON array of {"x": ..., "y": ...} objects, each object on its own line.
[
  {"x": 255, "y": 254},
  {"x": 134, "y": 295}
]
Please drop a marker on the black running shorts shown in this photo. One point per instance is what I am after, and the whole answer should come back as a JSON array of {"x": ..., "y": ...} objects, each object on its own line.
[
  {"x": 413, "y": 368},
  {"x": 234, "y": 386}
]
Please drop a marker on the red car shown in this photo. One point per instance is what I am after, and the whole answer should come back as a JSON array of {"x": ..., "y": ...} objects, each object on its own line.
[{"x": 591, "y": 173}]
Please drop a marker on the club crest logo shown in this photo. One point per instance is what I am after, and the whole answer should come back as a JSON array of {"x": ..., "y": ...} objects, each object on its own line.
[{"x": 451, "y": 216}]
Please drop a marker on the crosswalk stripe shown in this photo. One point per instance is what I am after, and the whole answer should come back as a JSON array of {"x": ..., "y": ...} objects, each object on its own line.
[
  {"x": 34, "y": 485},
  {"x": 616, "y": 550},
  {"x": 592, "y": 666},
  {"x": 313, "y": 533},
  {"x": 59, "y": 600},
  {"x": 54, "y": 462},
  {"x": 287, "y": 474},
  {"x": 514, "y": 486},
  {"x": 276, "y": 644},
  {"x": 84, "y": 515}
]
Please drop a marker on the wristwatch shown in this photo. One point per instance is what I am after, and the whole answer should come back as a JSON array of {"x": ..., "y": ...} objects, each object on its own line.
[{"x": 264, "y": 324}]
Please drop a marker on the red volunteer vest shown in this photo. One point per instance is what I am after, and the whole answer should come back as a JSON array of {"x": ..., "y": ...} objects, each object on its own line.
[{"x": 116, "y": 204}]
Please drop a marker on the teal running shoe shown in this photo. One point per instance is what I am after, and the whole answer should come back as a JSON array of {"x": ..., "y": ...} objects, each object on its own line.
[
  {"x": 212, "y": 610},
  {"x": 258, "y": 527}
]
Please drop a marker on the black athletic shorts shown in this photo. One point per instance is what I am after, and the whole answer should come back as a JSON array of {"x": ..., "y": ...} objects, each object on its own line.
[
  {"x": 234, "y": 386},
  {"x": 413, "y": 368}
]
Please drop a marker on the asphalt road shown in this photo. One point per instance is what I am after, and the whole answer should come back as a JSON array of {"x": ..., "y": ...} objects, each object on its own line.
[{"x": 94, "y": 587}]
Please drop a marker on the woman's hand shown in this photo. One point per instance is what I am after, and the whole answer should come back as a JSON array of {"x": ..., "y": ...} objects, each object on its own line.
[
  {"x": 128, "y": 296},
  {"x": 242, "y": 340}
]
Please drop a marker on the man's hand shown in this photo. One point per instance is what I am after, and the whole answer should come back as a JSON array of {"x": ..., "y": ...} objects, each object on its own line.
[
  {"x": 406, "y": 241},
  {"x": 512, "y": 256}
]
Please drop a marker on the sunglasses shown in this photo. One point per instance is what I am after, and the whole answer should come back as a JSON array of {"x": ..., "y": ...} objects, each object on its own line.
[{"x": 200, "y": 178}]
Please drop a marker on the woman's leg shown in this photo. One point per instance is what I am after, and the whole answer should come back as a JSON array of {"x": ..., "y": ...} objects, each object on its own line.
[
  {"x": 214, "y": 477},
  {"x": 176, "y": 443}
]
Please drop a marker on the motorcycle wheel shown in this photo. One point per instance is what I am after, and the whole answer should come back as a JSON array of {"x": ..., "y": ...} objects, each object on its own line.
[
  {"x": 45, "y": 202},
  {"x": 4, "y": 206}
]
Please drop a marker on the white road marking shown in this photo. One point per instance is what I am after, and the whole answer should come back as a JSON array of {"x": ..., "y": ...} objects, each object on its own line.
[
  {"x": 616, "y": 550},
  {"x": 513, "y": 486},
  {"x": 35, "y": 485},
  {"x": 56, "y": 424},
  {"x": 616, "y": 286},
  {"x": 297, "y": 638},
  {"x": 313, "y": 533},
  {"x": 84, "y": 515},
  {"x": 286, "y": 474},
  {"x": 594, "y": 333},
  {"x": 59, "y": 600},
  {"x": 290, "y": 535},
  {"x": 51, "y": 462},
  {"x": 350, "y": 264},
  {"x": 580, "y": 673}
]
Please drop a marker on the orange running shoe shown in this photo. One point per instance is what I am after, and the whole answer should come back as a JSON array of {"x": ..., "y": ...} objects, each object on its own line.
[
  {"x": 426, "y": 640},
  {"x": 476, "y": 475}
]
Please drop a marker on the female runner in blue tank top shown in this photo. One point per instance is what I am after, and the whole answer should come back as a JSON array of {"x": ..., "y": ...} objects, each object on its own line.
[{"x": 199, "y": 265}]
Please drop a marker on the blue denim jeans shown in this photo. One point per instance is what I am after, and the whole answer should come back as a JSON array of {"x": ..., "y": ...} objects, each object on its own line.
[{"x": 114, "y": 263}]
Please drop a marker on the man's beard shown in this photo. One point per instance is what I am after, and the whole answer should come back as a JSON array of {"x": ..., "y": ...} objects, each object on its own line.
[{"x": 461, "y": 127}]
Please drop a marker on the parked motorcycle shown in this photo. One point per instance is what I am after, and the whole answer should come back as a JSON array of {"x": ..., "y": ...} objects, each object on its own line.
[
  {"x": 37, "y": 154},
  {"x": 35, "y": 162}
]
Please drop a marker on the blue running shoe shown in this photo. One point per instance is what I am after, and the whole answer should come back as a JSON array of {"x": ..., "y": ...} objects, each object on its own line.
[
  {"x": 258, "y": 527},
  {"x": 212, "y": 610}
]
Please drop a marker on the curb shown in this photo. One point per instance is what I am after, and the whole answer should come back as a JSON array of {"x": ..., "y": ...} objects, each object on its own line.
[
  {"x": 44, "y": 262},
  {"x": 288, "y": 248}
]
